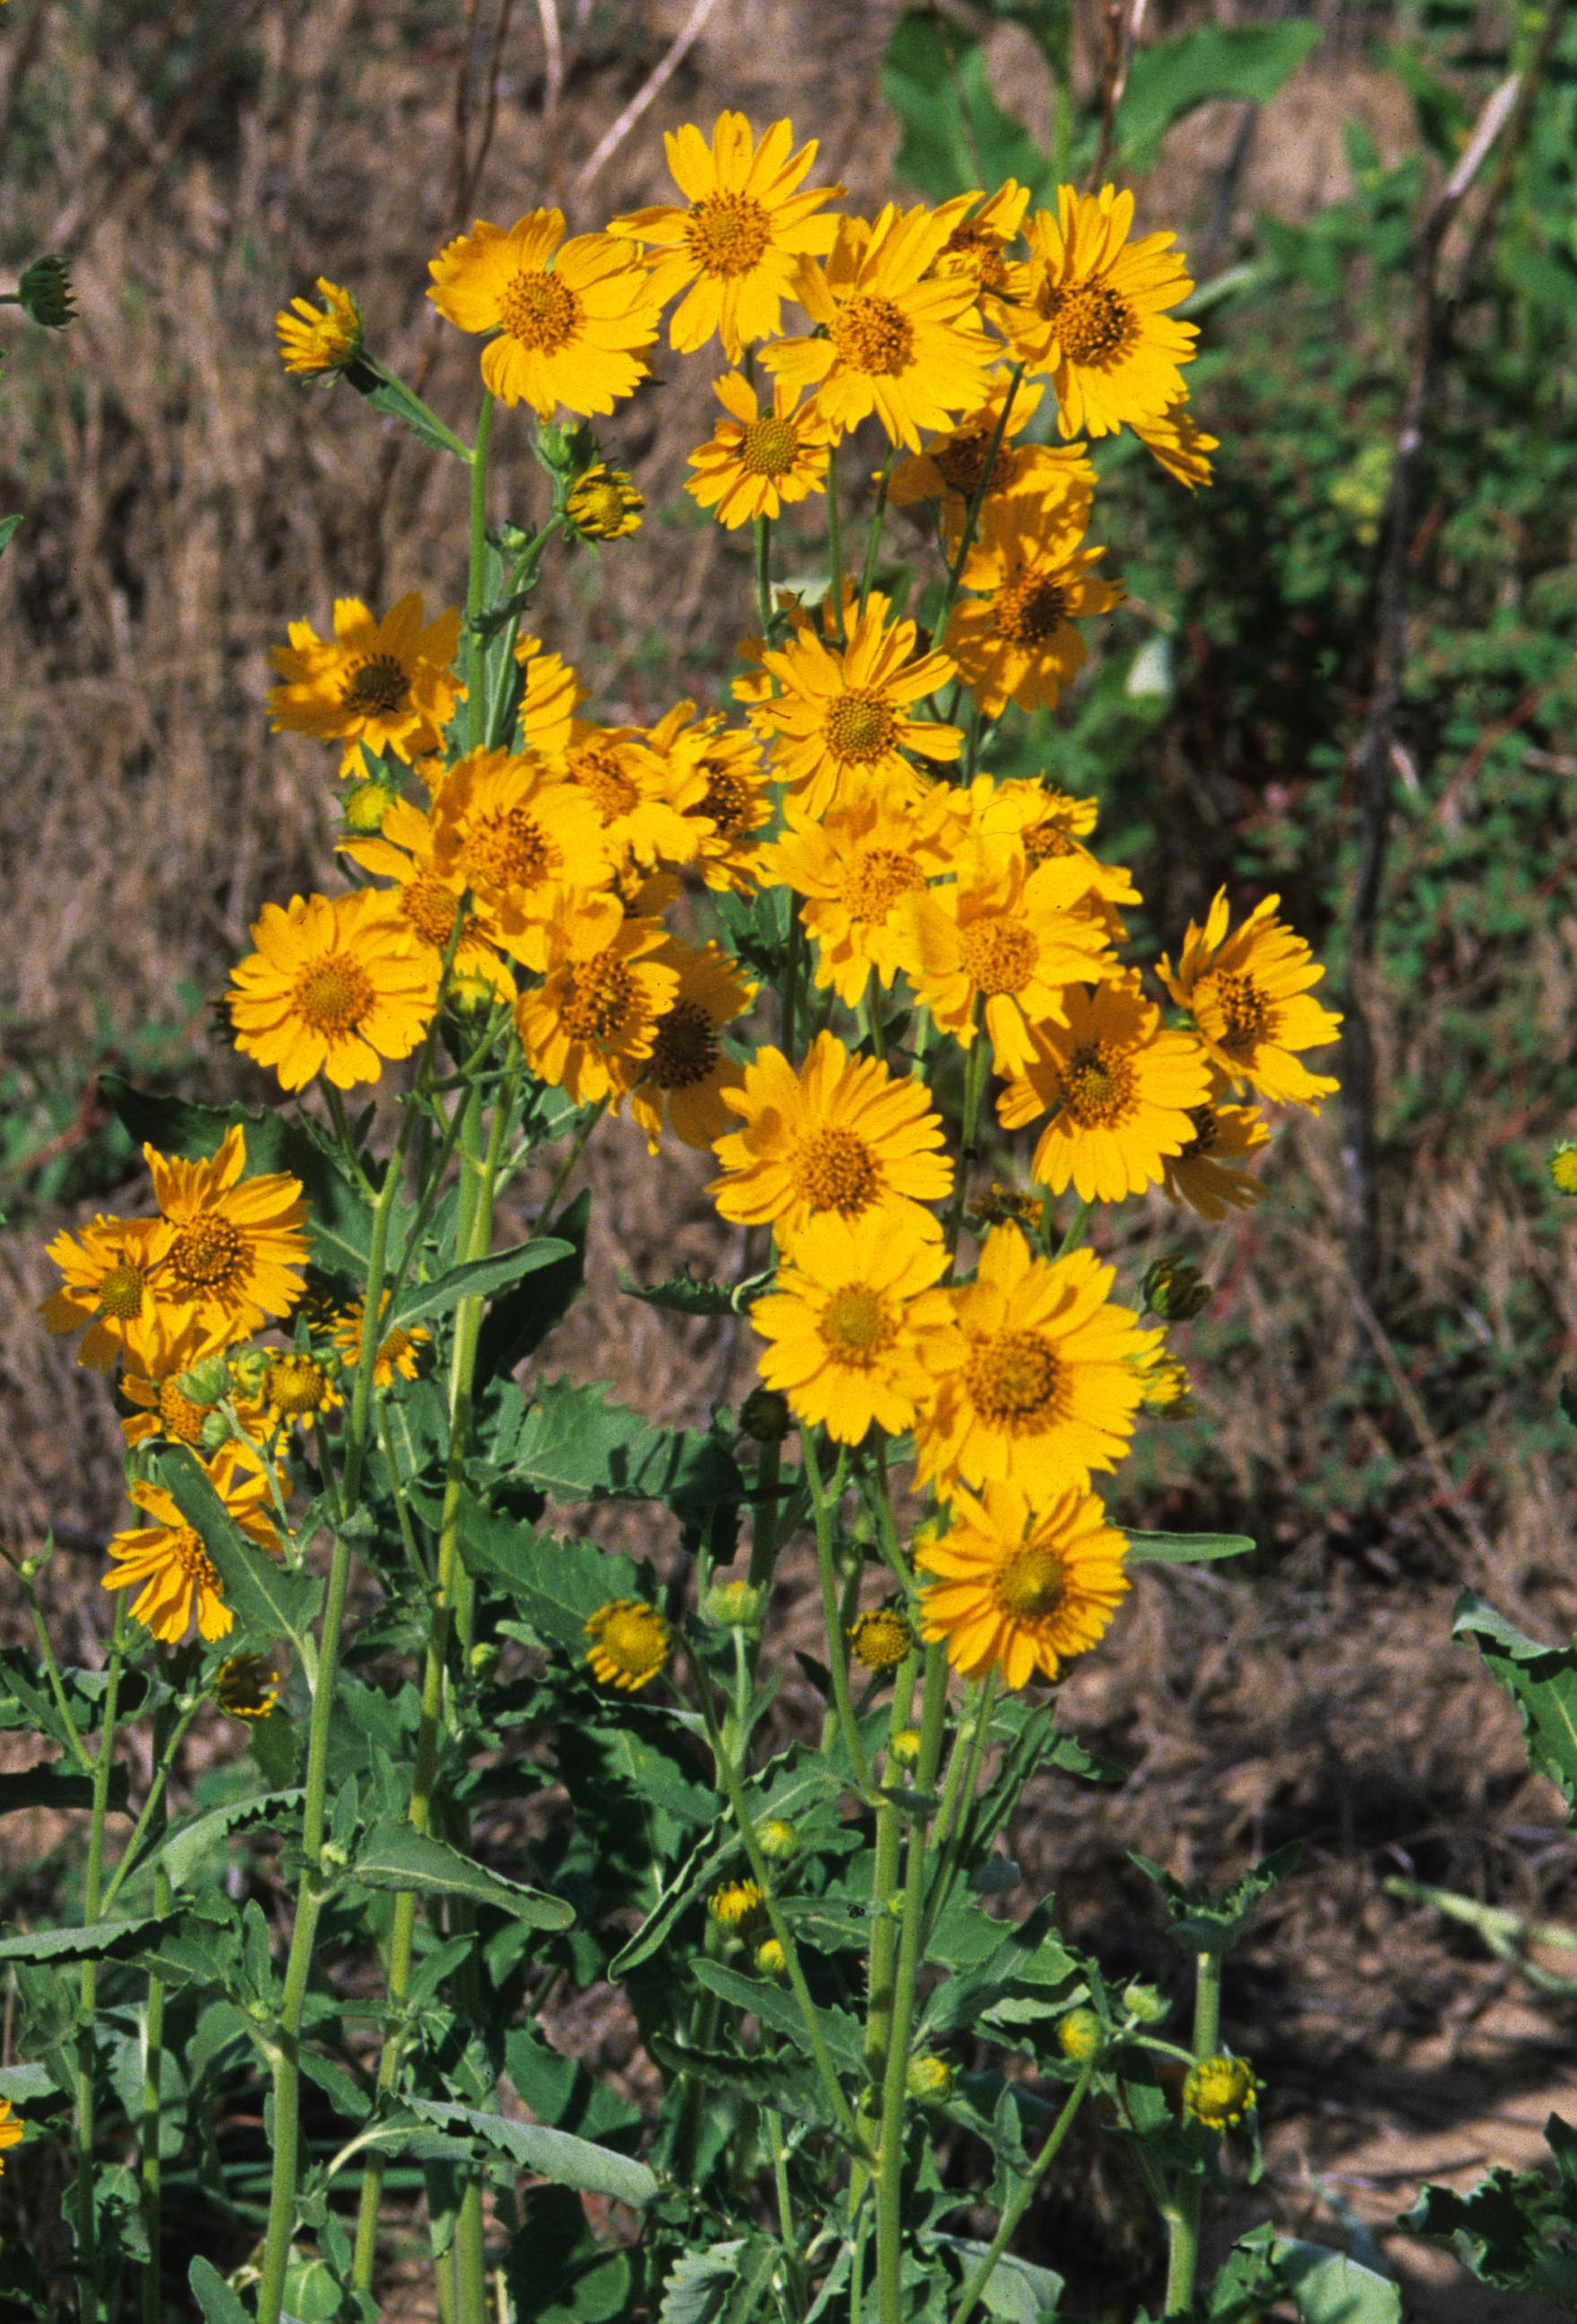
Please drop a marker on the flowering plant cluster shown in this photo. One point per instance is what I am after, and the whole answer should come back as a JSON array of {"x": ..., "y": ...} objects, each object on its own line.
[{"x": 805, "y": 930}]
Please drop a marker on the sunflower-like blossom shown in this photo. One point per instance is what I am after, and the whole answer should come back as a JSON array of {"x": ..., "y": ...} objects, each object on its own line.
[
  {"x": 855, "y": 866},
  {"x": 1053, "y": 477},
  {"x": 108, "y": 1271},
  {"x": 571, "y": 319},
  {"x": 1001, "y": 945},
  {"x": 426, "y": 900},
  {"x": 844, "y": 713},
  {"x": 165, "y": 1561},
  {"x": 237, "y": 1245},
  {"x": 682, "y": 1078},
  {"x": 514, "y": 830},
  {"x": 1019, "y": 1588},
  {"x": 756, "y": 462},
  {"x": 1118, "y": 1087},
  {"x": 1248, "y": 992},
  {"x": 335, "y": 987},
  {"x": 385, "y": 685},
  {"x": 1030, "y": 578},
  {"x": 1094, "y": 320},
  {"x": 856, "y": 1330},
  {"x": 589, "y": 1027}
]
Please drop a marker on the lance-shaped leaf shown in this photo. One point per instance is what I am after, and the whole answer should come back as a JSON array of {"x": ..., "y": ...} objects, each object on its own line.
[
  {"x": 218, "y": 2303},
  {"x": 1184, "y": 1548},
  {"x": 104, "y": 1941},
  {"x": 557, "y": 1584},
  {"x": 263, "y": 1593},
  {"x": 395, "y": 1855},
  {"x": 1541, "y": 1679},
  {"x": 574, "y": 1445},
  {"x": 555, "y": 2154},
  {"x": 182, "y": 1848},
  {"x": 772, "y": 2005},
  {"x": 479, "y": 1279}
]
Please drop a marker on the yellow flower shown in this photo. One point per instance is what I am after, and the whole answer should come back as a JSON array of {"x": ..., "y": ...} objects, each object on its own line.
[
  {"x": 167, "y": 1562},
  {"x": 334, "y": 988},
  {"x": 10, "y": 2130},
  {"x": 237, "y": 1244},
  {"x": 571, "y": 315},
  {"x": 881, "y": 1639},
  {"x": 980, "y": 227},
  {"x": 1022, "y": 1586},
  {"x": 1081, "y": 2035},
  {"x": 387, "y": 685},
  {"x": 515, "y": 832},
  {"x": 296, "y": 1388},
  {"x": 590, "y": 1027},
  {"x": 1167, "y": 1384},
  {"x": 841, "y": 1135},
  {"x": 1220, "y": 2091},
  {"x": 1095, "y": 319},
  {"x": 398, "y": 1351},
  {"x": 856, "y": 1332},
  {"x": 1014, "y": 640},
  {"x": 630, "y": 1642},
  {"x": 1054, "y": 477},
  {"x": 1562, "y": 1167},
  {"x": 549, "y": 693},
  {"x": 755, "y": 462},
  {"x": 1183, "y": 449},
  {"x": 152, "y": 1379},
  {"x": 1119, "y": 1090},
  {"x": 734, "y": 800},
  {"x": 1045, "y": 1388},
  {"x": 843, "y": 713},
  {"x": 603, "y": 503},
  {"x": 1202, "y": 1174},
  {"x": 1248, "y": 995},
  {"x": 688, "y": 1069},
  {"x": 316, "y": 340},
  {"x": 742, "y": 236},
  {"x": 1007, "y": 943},
  {"x": 1047, "y": 823},
  {"x": 736, "y": 1904},
  {"x": 900, "y": 341},
  {"x": 855, "y": 866},
  {"x": 108, "y": 1267},
  {"x": 425, "y": 899},
  {"x": 641, "y": 795},
  {"x": 246, "y": 1685}
]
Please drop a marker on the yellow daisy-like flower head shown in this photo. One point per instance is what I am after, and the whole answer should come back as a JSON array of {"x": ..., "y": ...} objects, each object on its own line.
[
  {"x": 1248, "y": 992},
  {"x": 388, "y": 683},
  {"x": 1183, "y": 449},
  {"x": 1047, "y": 823},
  {"x": 1022, "y": 1586},
  {"x": 1119, "y": 1089},
  {"x": 108, "y": 1269},
  {"x": 1221, "y": 2091},
  {"x": 1562, "y": 1167},
  {"x": 735, "y": 800},
  {"x": 296, "y": 1388},
  {"x": 335, "y": 987},
  {"x": 603, "y": 503},
  {"x": 856, "y": 1332},
  {"x": 843, "y": 715},
  {"x": 320, "y": 341},
  {"x": 10, "y": 2128},
  {"x": 855, "y": 866},
  {"x": 881, "y": 1639},
  {"x": 630, "y": 1642},
  {"x": 842, "y": 1135},
  {"x": 736, "y": 1905},
  {"x": 167, "y": 1565},
  {"x": 234, "y": 1255},
  {"x": 518, "y": 834},
  {"x": 427, "y": 899},
  {"x": 590, "y": 1027},
  {"x": 1204, "y": 1175},
  {"x": 901, "y": 341},
  {"x": 571, "y": 317},
  {"x": 1046, "y": 1390},
  {"x": 1095, "y": 319},
  {"x": 1055, "y": 478},
  {"x": 1013, "y": 639},
  {"x": 157, "y": 1383},
  {"x": 756, "y": 462},
  {"x": 400, "y": 1351},
  {"x": 980, "y": 229},
  {"x": 247, "y": 1686},
  {"x": 687, "y": 1070},
  {"x": 737, "y": 246},
  {"x": 550, "y": 691},
  {"x": 1004, "y": 944},
  {"x": 642, "y": 797}
]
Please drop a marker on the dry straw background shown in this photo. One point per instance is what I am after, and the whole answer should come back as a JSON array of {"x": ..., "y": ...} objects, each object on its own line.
[{"x": 183, "y": 501}]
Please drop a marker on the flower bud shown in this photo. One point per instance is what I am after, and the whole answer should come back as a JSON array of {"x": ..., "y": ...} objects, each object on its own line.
[
  {"x": 764, "y": 1415},
  {"x": 930, "y": 2080},
  {"x": 778, "y": 1839},
  {"x": 246, "y": 1685},
  {"x": 733, "y": 1606},
  {"x": 771, "y": 1959},
  {"x": 205, "y": 1382},
  {"x": 1562, "y": 1166},
  {"x": 881, "y": 1640},
  {"x": 214, "y": 1432},
  {"x": 1175, "y": 1290},
  {"x": 734, "y": 1905},
  {"x": 1081, "y": 2035},
  {"x": 44, "y": 293},
  {"x": 1145, "y": 2004},
  {"x": 603, "y": 505},
  {"x": 366, "y": 804},
  {"x": 1220, "y": 2091},
  {"x": 904, "y": 1747}
]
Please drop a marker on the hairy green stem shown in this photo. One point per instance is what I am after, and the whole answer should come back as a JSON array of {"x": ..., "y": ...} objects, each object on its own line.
[
  {"x": 1023, "y": 2196},
  {"x": 835, "y": 550},
  {"x": 166, "y": 1743},
  {"x": 89, "y": 2298},
  {"x": 763, "y": 575},
  {"x": 1183, "y": 2223},
  {"x": 824, "y": 1501},
  {"x": 883, "y": 1947},
  {"x": 476, "y": 578},
  {"x": 79, "y": 1749},
  {"x": 975, "y": 1066},
  {"x": 873, "y": 538}
]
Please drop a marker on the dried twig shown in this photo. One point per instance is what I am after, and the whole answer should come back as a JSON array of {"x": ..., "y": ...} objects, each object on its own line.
[
  {"x": 553, "y": 79},
  {"x": 656, "y": 80},
  {"x": 1120, "y": 30},
  {"x": 490, "y": 117}
]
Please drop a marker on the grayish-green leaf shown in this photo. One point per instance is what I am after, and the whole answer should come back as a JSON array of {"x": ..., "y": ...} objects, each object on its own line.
[
  {"x": 1541, "y": 1679},
  {"x": 262, "y": 1592},
  {"x": 104, "y": 1941},
  {"x": 1169, "y": 79},
  {"x": 185, "y": 1844},
  {"x": 776, "y": 2007},
  {"x": 1184, "y": 1548},
  {"x": 479, "y": 1279},
  {"x": 555, "y": 2154},
  {"x": 214, "y": 2296},
  {"x": 59, "y": 1783},
  {"x": 557, "y": 1584},
  {"x": 1329, "y": 2288},
  {"x": 396, "y": 1855}
]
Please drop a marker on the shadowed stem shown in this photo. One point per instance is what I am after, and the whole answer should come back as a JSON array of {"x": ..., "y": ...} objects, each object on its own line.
[
  {"x": 89, "y": 2304},
  {"x": 1023, "y": 2196},
  {"x": 1183, "y": 2224}
]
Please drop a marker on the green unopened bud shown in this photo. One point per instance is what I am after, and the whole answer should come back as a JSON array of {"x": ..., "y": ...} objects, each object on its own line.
[
  {"x": 604, "y": 504},
  {"x": 930, "y": 2081},
  {"x": 1081, "y": 2035},
  {"x": 778, "y": 1839},
  {"x": 205, "y": 1382},
  {"x": 367, "y": 803},
  {"x": 1220, "y": 2091},
  {"x": 1175, "y": 1290},
  {"x": 732, "y": 1606},
  {"x": 216, "y": 1431},
  {"x": 30, "y": 1568},
  {"x": 44, "y": 293},
  {"x": 1145, "y": 2005},
  {"x": 764, "y": 1415},
  {"x": 904, "y": 1747},
  {"x": 1563, "y": 1168},
  {"x": 335, "y": 1857},
  {"x": 483, "y": 1657},
  {"x": 770, "y": 1959},
  {"x": 248, "y": 1368}
]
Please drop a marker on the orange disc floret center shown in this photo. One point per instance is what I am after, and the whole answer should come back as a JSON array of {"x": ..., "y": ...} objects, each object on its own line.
[
  {"x": 601, "y": 998},
  {"x": 727, "y": 232},
  {"x": 856, "y": 1326},
  {"x": 872, "y": 333},
  {"x": 1097, "y": 1086},
  {"x": 1044, "y": 840},
  {"x": 727, "y": 800},
  {"x": 509, "y": 849},
  {"x": 382, "y": 684},
  {"x": 835, "y": 1170},
  {"x": 333, "y": 995},
  {"x": 429, "y": 907},
  {"x": 187, "y": 1552},
  {"x": 120, "y": 1292},
  {"x": 768, "y": 448},
  {"x": 1248, "y": 1013},
  {"x": 962, "y": 463},
  {"x": 538, "y": 310},
  {"x": 685, "y": 1048},
  {"x": 208, "y": 1255},
  {"x": 879, "y": 877},
  {"x": 295, "y": 1386},
  {"x": 1029, "y": 611},
  {"x": 1012, "y": 1379},
  {"x": 1094, "y": 323},
  {"x": 998, "y": 954},
  {"x": 606, "y": 785},
  {"x": 861, "y": 726},
  {"x": 1032, "y": 1584},
  {"x": 179, "y": 1416}
]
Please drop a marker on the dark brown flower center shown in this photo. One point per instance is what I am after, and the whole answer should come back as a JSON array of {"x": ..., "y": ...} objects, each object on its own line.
[
  {"x": 872, "y": 333},
  {"x": 1012, "y": 1379},
  {"x": 539, "y": 311},
  {"x": 380, "y": 684}
]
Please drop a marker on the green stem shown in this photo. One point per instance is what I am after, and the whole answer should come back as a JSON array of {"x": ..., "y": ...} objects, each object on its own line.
[
  {"x": 79, "y": 1749},
  {"x": 1023, "y": 2196},
  {"x": 165, "y": 1745},
  {"x": 1075, "y": 1227},
  {"x": 523, "y": 575},
  {"x": 1183, "y": 2224},
  {"x": 952, "y": 1817},
  {"x": 582, "y": 1137},
  {"x": 476, "y": 578},
  {"x": 763, "y": 575},
  {"x": 90, "y": 2302},
  {"x": 974, "y": 1073},
  {"x": 835, "y": 550},
  {"x": 894, "y": 2078},
  {"x": 889, "y": 1842},
  {"x": 788, "y": 996},
  {"x": 874, "y": 539},
  {"x": 342, "y": 1130},
  {"x": 764, "y": 1528},
  {"x": 977, "y": 501},
  {"x": 153, "y": 1806},
  {"x": 824, "y": 1503}
]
